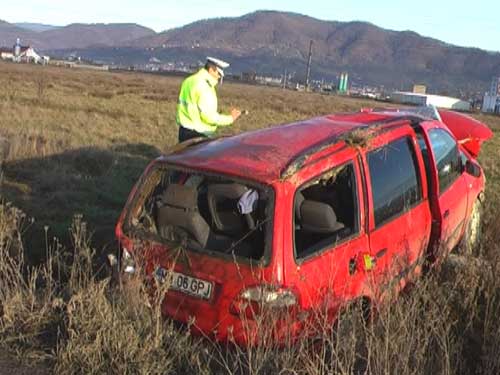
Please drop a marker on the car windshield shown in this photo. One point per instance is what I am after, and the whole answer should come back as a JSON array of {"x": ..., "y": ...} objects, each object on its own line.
[{"x": 205, "y": 212}]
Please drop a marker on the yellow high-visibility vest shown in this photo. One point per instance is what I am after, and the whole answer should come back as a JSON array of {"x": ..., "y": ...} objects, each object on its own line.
[{"x": 197, "y": 106}]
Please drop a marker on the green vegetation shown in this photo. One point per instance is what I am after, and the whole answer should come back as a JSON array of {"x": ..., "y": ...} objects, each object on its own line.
[{"x": 77, "y": 142}]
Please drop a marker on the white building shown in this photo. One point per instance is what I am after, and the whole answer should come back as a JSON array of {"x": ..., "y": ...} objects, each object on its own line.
[
  {"x": 271, "y": 81},
  {"x": 495, "y": 86},
  {"x": 19, "y": 53},
  {"x": 491, "y": 100},
  {"x": 428, "y": 99},
  {"x": 6, "y": 53},
  {"x": 28, "y": 55}
]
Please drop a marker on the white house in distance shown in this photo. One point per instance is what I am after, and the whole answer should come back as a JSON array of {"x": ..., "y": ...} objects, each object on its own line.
[
  {"x": 28, "y": 54},
  {"x": 491, "y": 100},
  {"x": 6, "y": 53},
  {"x": 25, "y": 54},
  {"x": 428, "y": 99}
]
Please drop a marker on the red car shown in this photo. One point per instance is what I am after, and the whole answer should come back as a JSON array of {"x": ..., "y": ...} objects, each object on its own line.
[{"x": 304, "y": 218}]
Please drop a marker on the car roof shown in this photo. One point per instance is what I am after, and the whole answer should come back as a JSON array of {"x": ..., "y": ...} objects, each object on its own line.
[{"x": 263, "y": 155}]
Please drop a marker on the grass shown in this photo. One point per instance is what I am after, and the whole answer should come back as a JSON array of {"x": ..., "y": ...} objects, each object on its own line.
[{"x": 77, "y": 142}]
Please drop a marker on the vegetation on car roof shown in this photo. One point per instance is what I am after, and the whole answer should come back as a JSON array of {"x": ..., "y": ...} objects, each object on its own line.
[{"x": 360, "y": 137}]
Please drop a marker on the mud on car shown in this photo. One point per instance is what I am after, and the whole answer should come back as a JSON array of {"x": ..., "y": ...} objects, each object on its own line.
[{"x": 303, "y": 218}]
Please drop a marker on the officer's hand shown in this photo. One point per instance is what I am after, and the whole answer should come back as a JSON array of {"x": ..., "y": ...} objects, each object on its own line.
[{"x": 235, "y": 113}]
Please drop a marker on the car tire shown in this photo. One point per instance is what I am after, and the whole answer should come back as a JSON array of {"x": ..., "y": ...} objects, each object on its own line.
[{"x": 471, "y": 240}]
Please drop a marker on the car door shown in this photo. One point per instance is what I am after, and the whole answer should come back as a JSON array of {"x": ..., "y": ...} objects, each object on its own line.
[
  {"x": 450, "y": 188},
  {"x": 324, "y": 265},
  {"x": 400, "y": 218}
]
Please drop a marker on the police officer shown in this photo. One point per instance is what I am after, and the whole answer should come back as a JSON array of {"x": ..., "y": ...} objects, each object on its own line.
[{"x": 197, "y": 114}]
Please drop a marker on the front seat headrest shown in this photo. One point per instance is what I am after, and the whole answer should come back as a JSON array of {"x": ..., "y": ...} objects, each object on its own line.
[
  {"x": 181, "y": 196},
  {"x": 319, "y": 217},
  {"x": 225, "y": 220}
]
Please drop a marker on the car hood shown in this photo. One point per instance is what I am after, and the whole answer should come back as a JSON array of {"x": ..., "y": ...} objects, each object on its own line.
[{"x": 469, "y": 132}]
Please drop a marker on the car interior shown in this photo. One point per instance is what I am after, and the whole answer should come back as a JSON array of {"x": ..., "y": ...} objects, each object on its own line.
[
  {"x": 208, "y": 213},
  {"x": 325, "y": 211}
]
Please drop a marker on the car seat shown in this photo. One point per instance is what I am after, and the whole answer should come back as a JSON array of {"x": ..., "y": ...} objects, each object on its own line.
[
  {"x": 318, "y": 217},
  {"x": 316, "y": 226},
  {"x": 222, "y": 203},
  {"x": 178, "y": 208}
]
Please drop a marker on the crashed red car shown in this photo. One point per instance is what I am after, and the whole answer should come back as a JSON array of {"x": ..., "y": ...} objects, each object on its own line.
[{"x": 303, "y": 218}]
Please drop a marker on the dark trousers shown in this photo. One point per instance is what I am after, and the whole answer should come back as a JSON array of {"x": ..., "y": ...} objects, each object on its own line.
[{"x": 185, "y": 134}]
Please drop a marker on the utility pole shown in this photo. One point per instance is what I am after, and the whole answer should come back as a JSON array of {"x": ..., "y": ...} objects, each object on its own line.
[
  {"x": 308, "y": 74},
  {"x": 285, "y": 79}
]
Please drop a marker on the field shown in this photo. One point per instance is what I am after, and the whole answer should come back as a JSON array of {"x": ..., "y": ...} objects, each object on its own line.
[{"x": 74, "y": 143}]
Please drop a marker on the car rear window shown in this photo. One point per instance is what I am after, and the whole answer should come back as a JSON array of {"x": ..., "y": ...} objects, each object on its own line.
[
  {"x": 204, "y": 212},
  {"x": 396, "y": 184}
]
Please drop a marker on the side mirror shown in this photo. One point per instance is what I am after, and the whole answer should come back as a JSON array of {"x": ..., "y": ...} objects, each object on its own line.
[{"x": 472, "y": 168}]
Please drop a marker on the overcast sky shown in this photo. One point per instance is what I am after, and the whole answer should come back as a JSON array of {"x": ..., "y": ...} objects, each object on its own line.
[{"x": 470, "y": 23}]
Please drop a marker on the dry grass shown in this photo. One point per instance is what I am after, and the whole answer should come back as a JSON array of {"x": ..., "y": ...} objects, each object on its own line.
[
  {"x": 77, "y": 143},
  {"x": 79, "y": 140}
]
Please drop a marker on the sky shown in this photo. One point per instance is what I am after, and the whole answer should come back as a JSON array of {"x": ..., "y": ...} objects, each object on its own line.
[{"x": 469, "y": 24}]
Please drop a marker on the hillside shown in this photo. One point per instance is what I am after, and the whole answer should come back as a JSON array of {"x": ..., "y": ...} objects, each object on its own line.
[
  {"x": 9, "y": 33},
  {"x": 269, "y": 42},
  {"x": 370, "y": 53},
  {"x": 74, "y": 36},
  {"x": 38, "y": 27},
  {"x": 86, "y": 35}
]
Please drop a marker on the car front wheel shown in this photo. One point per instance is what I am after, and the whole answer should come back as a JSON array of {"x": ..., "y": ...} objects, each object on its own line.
[{"x": 472, "y": 236}]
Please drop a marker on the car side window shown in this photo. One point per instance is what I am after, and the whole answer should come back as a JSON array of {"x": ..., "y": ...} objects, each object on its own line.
[
  {"x": 325, "y": 211},
  {"x": 396, "y": 183},
  {"x": 447, "y": 157}
]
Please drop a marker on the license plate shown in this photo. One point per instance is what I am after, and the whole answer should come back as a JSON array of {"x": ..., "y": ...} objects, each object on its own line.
[{"x": 187, "y": 284}]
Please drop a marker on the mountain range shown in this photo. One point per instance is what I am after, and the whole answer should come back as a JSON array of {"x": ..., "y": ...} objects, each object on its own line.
[
  {"x": 269, "y": 42},
  {"x": 74, "y": 36},
  {"x": 37, "y": 27}
]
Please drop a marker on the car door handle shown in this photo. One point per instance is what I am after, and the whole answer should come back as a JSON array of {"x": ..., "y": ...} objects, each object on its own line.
[
  {"x": 352, "y": 266},
  {"x": 446, "y": 214},
  {"x": 381, "y": 253}
]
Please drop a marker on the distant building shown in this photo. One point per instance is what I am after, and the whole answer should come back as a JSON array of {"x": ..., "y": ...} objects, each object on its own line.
[
  {"x": 64, "y": 63},
  {"x": 491, "y": 100},
  {"x": 28, "y": 55},
  {"x": 90, "y": 66},
  {"x": 495, "y": 86},
  {"x": 6, "y": 53},
  {"x": 17, "y": 48},
  {"x": 79, "y": 65},
  {"x": 427, "y": 99},
  {"x": 248, "y": 76},
  {"x": 343, "y": 86},
  {"x": 19, "y": 53},
  {"x": 419, "y": 89},
  {"x": 269, "y": 81},
  {"x": 491, "y": 103}
]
